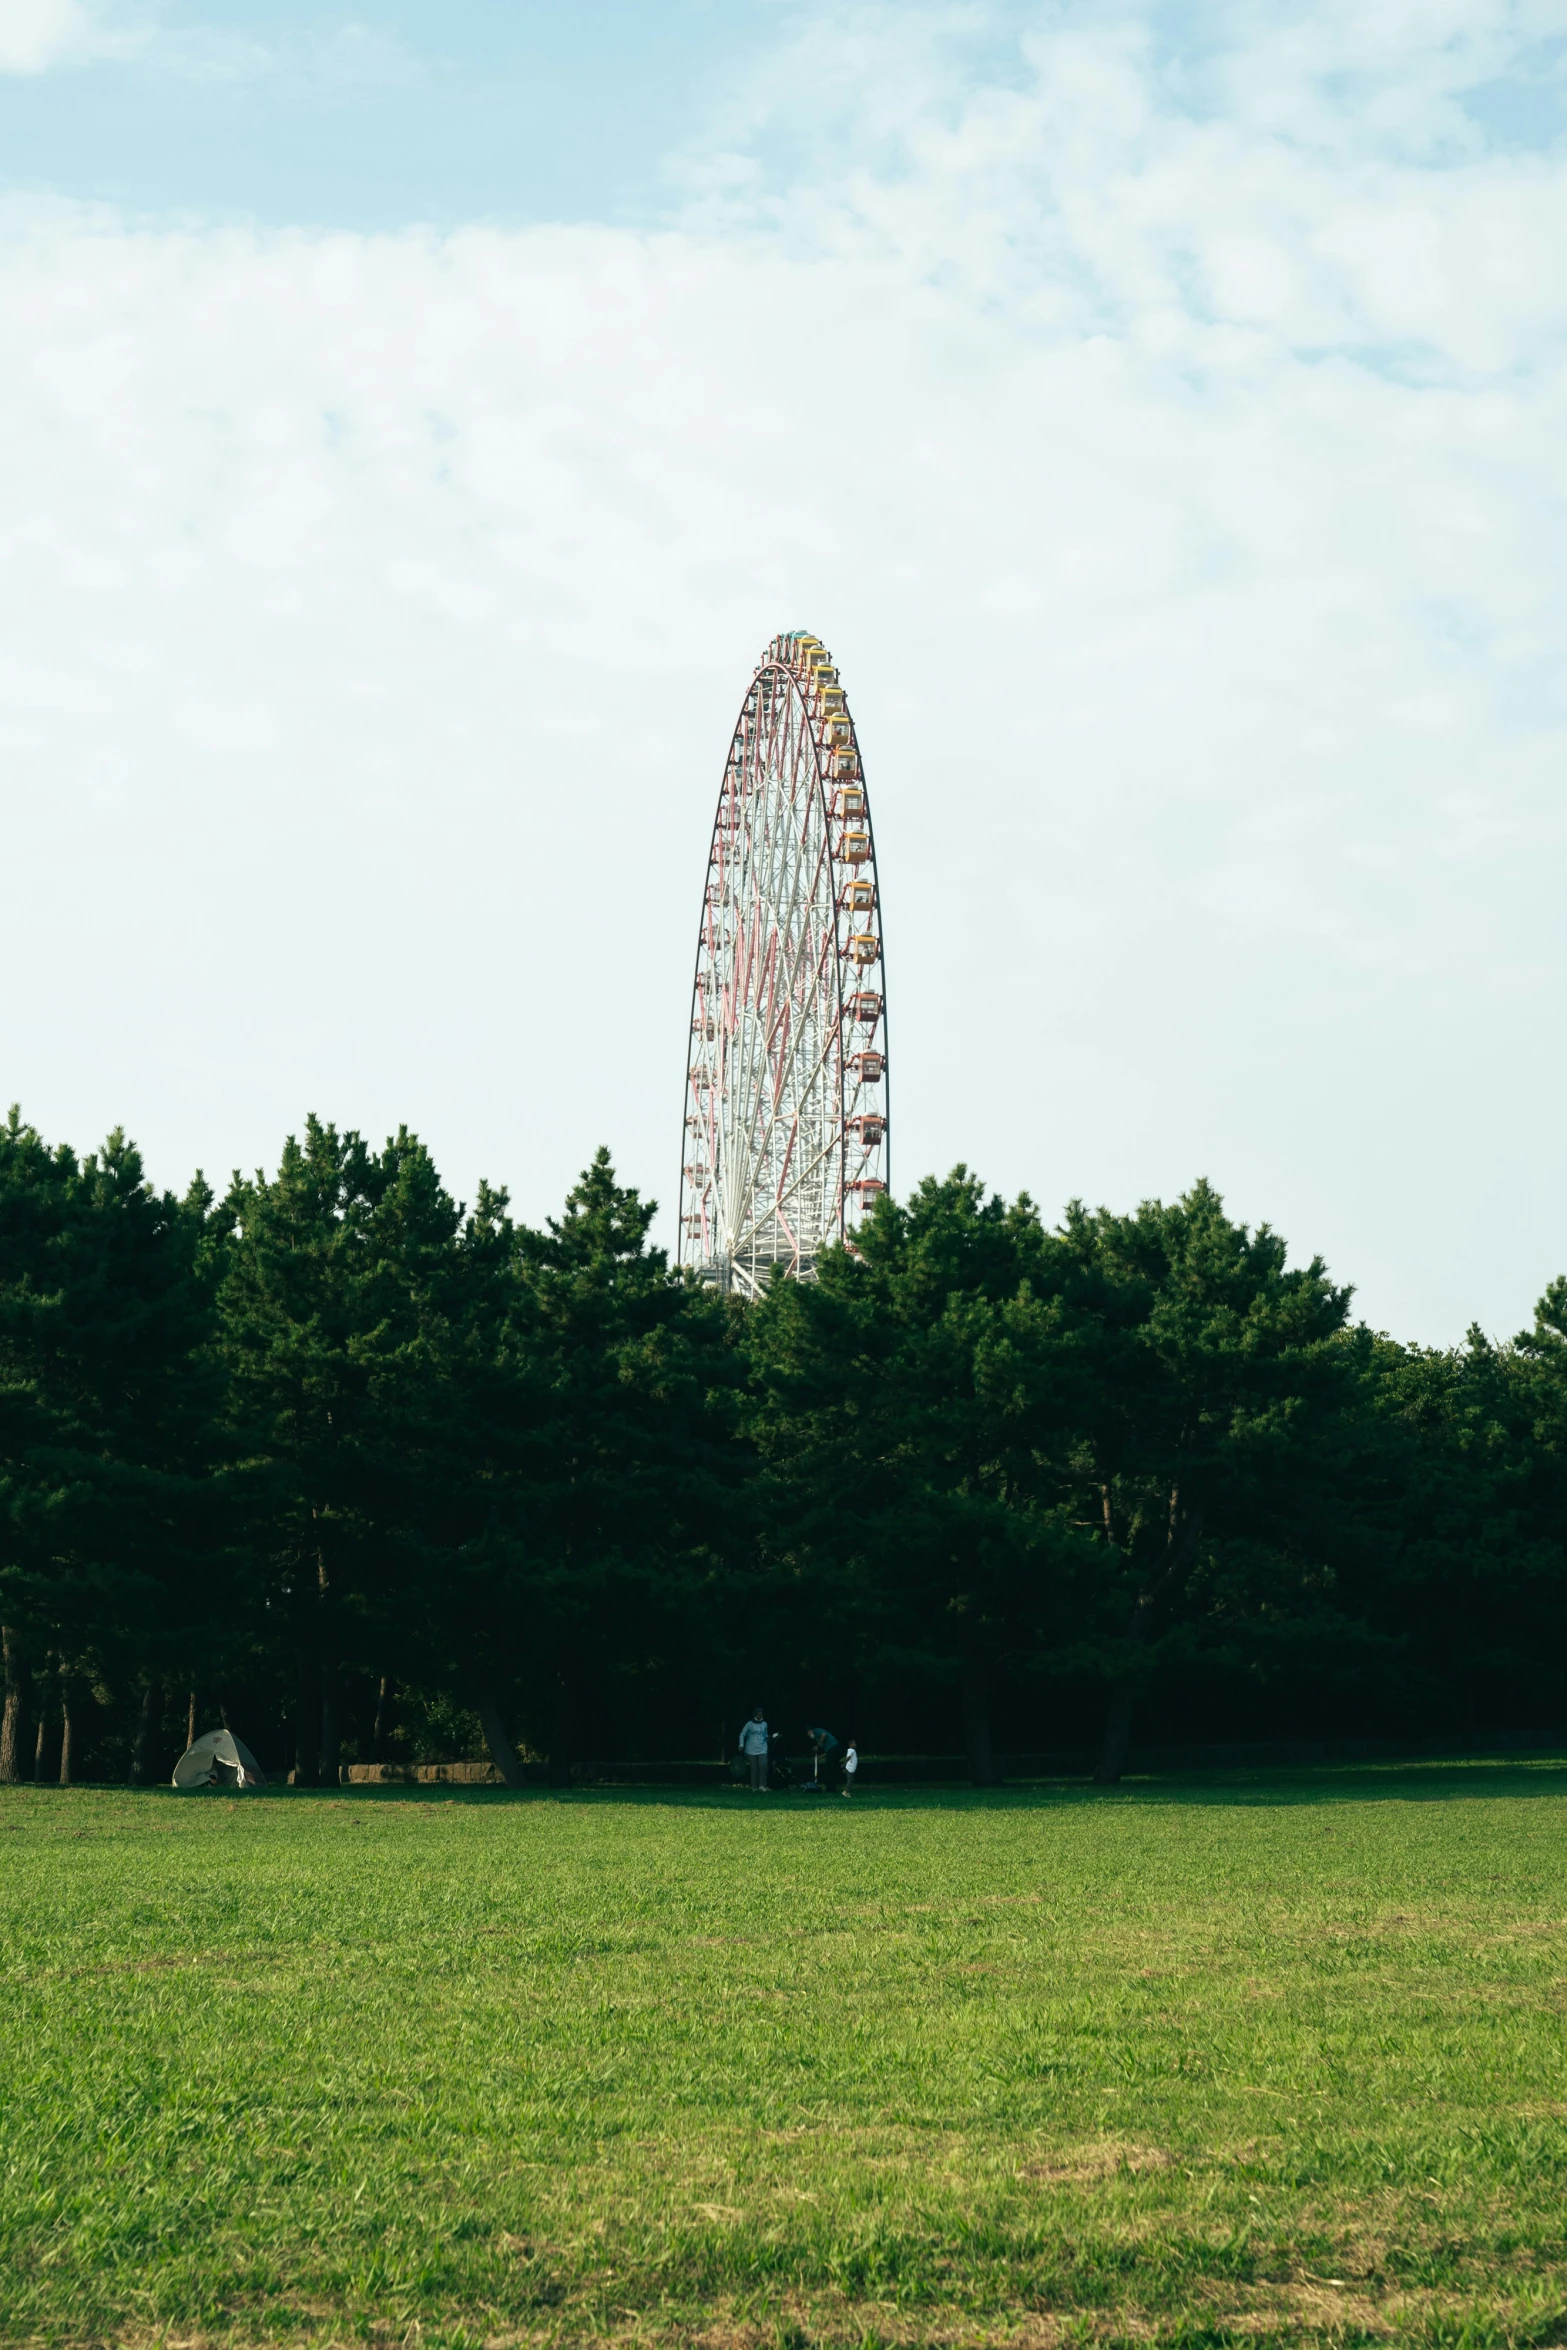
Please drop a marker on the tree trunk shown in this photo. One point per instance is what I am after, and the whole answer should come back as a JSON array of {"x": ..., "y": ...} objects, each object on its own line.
[
  {"x": 307, "y": 1723},
  {"x": 1127, "y": 1687},
  {"x": 383, "y": 1711},
  {"x": 316, "y": 1742},
  {"x": 563, "y": 1744},
  {"x": 46, "y": 1696},
  {"x": 1118, "y": 1733},
  {"x": 68, "y": 1731},
  {"x": 331, "y": 1728},
  {"x": 147, "y": 1724},
  {"x": 502, "y": 1752},
  {"x": 11, "y": 1721},
  {"x": 1125, "y": 1690},
  {"x": 190, "y": 1721},
  {"x": 976, "y": 1720}
]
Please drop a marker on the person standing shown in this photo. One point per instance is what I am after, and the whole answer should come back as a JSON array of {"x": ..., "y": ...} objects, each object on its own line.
[
  {"x": 851, "y": 1763},
  {"x": 753, "y": 1745}
]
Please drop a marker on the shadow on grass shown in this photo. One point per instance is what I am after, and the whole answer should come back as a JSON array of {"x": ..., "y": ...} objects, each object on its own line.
[
  {"x": 1480, "y": 1778},
  {"x": 1477, "y": 1778}
]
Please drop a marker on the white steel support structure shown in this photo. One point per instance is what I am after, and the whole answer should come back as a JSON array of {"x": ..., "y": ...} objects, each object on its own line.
[{"x": 786, "y": 1076}]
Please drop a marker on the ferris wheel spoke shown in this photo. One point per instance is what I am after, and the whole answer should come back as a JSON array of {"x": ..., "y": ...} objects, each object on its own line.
[
  {"x": 785, "y": 1068},
  {"x": 745, "y": 1106},
  {"x": 780, "y": 1012},
  {"x": 788, "y": 1190},
  {"x": 780, "y": 1071},
  {"x": 814, "y": 1082},
  {"x": 788, "y": 1089}
]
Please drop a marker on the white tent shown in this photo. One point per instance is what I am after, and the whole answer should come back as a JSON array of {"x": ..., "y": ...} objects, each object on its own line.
[{"x": 217, "y": 1760}]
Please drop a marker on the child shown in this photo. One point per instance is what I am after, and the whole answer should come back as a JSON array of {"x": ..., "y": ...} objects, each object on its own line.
[{"x": 851, "y": 1763}]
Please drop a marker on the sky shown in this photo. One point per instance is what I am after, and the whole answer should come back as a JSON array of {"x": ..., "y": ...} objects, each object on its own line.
[{"x": 415, "y": 420}]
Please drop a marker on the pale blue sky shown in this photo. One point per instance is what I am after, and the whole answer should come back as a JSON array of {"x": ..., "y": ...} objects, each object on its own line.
[
  {"x": 377, "y": 116},
  {"x": 446, "y": 111}
]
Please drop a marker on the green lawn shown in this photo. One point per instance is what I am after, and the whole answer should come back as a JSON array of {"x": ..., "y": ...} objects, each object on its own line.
[{"x": 1274, "y": 2059}]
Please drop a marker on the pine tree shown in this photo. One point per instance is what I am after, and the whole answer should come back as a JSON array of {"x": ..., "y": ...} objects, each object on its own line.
[
  {"x": 106, "y": 1410},
  {"x": 334, "y": 1310},
  {"x": 607, "y": 1472},
  {"x": 1213, "y": 1380},
  {"x": 906, "y": 1409}
]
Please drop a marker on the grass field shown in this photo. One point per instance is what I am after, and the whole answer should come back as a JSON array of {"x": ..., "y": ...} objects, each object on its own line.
[{"x": 1280, "y": 2059}]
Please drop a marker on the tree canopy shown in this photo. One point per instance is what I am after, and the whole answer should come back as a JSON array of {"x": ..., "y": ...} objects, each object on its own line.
[{"x": 381, "y": 1476}]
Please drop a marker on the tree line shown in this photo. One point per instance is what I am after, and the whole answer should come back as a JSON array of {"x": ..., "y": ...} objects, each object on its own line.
[{"x": 375, "y": 1476}]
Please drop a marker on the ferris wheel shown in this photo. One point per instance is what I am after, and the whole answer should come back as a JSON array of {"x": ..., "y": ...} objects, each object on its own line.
[{"x": 786, "y": 1076}]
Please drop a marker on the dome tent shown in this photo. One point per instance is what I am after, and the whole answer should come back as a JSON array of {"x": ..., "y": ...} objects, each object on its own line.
[{"x": 217, "y": 1760}]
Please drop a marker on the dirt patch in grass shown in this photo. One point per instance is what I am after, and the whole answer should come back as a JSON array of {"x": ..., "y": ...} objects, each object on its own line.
[
  {"x": 1108, "y": 2158},
  {"x": 1301, "y": 2314}
]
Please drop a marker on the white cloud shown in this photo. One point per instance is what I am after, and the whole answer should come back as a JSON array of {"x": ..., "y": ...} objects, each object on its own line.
[
  {"x": 1173, "y": 456},
  {"x": 36, "y": 34},
  {"x": 39, "y": 35}
]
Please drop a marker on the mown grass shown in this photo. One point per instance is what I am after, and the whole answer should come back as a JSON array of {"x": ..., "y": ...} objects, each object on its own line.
[{"x": 1281, "y": 2060}]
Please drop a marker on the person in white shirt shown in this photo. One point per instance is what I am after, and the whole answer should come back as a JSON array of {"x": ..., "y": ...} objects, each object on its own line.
[
  {"x": 754, "y": 1746},
  {"x": 851, "y": 1763}
]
